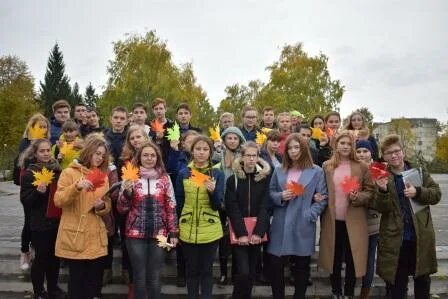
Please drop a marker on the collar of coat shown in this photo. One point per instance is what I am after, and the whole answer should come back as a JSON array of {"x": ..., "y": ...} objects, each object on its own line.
[{"x": 262, "y": 169}]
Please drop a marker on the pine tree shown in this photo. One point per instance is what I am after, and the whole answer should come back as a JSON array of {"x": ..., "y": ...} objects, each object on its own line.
[
  {"x": 90, "y": 97},
  {"x": 56, "y": 84},
  {"x": 76, "y": 98}
]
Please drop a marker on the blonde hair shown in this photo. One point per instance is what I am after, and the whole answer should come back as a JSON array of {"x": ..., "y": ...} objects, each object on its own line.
[
  {"x": 335, "y": 159},
  {"x": 128, "y": 150},
  {"x": 34, "y": 119}
]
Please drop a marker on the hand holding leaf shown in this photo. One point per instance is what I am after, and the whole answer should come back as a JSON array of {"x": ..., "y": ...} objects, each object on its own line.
[
  {"x": 173, "y": 133},
  {"x": 296, "y": 188},
  {"x": 198, "y": 178},
  {"x": 214, "y": 134},
  {"x": 96, "y": 177},
  {"x": 44, "y": 176},
  {"x": 350, "y": 184},
  {"x": 129, "y": 172}
]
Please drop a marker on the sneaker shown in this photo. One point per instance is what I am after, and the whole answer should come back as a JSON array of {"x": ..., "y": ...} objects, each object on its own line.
[{"x": 25, "y": 261}]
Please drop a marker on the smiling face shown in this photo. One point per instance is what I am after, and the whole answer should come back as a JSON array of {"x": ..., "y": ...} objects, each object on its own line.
[
  {"x": 148, "y": 157},
  {"x": 232, "y": 141},
  {"x": 136, "y": 139},
  {"x": 394, "y": 156},
  {"x": 70, "y": 135},
  {"x": 364, "y": 154},
  {"x": 98, "y": 157},
  {"x": 344, "y": 146},
  {"x": 43, "y": 153}
]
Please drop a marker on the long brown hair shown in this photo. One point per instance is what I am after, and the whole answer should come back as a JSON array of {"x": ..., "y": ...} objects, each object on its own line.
[
  {"x": 137, "y": 160},
  {"x": 305, "y": 159},
  {"x": 128, "y": 150},
  {"x": 91, "y": 144},
  {"x": 335, "y": 159},
  {"x": 209, "y": 143}
]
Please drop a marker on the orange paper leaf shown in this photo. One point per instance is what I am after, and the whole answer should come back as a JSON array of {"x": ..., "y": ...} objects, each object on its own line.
[
  {"x": 96, "y": 177},
  {"x": 129, "y": 172},
  {"x": 350, "y": 184},
  {"x": 378, "y": 170},
  {"x": 157, "y": 126},
  {"x": 330, "y": 132},
  {"x": 296, "y": 188},
  {"x": 198, "y": 178}
]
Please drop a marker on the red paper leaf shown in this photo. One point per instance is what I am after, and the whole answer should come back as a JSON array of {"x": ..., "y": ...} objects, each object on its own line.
[
  {"x": 378, "y": 170},
  {"x": 96, "y": 177},
  {"x": 296, "y": 188},
  {"x": 350, "y": 184}
]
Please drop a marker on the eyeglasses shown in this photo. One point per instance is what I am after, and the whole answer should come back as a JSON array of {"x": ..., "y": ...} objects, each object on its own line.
[
  {"x": 250, "y": 156},
  {"x": 395, "y": 152}
]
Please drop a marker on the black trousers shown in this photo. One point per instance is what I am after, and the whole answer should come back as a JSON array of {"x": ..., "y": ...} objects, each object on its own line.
[
  {"x": 84, "y": 278},
  {"x": 247, "y": 258},
  {"x": 26, "y": 232},
  {"x": 300, "y": 269},
  {"x": 342, "y": 251},
  {"x": 45, "y": 264},
  {"x": 406, "y": 267},
  {"x": 199, "y": 268}
]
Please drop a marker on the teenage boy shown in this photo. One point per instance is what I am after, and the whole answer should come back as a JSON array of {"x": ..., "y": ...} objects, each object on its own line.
[
  {"x": 249, "y": 128},
  {"x": 406, "y": 241},
  {"x": 226, "y": 120},
  {"x": 80, "y": 114},
  {"x": 93, "y": 123},
  {"x": 140, "y": 116},
  {"x": 116, "y": 135},
  {"x": 268, "y": 118},
  {"x": 61, "y": 113},
  {"x": 183, "y": 117},
  {"x": 305, "y": 132},
  {"x": 158, "y": 107}
]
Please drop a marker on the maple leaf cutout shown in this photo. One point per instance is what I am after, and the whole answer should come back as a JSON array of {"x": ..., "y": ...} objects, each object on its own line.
[
  {"x": 130, "y": 172},
  {"x": 173, "y": 133},
  {"x": 36, "y": 132},
  {"x": 266, "y": 130},
  {"x": 317, "y": 133},
  {"x": 261, "y": 138},
  {"x": 214, "y": 133},
  {"x": 350, "y": 184},
  {"x": 157, "y": 126},
  {"x": 66, "y": 149},
  {"x": 96, "y": 177},
  {"x": 330, "y": 132},
  {"x": 163, "y": 242},
  {"x": 198, "y": 178},
  {"x": 296, "y": 188},
  {"x": 44, "y": 176},
  {"x": 378, "y": 170}
]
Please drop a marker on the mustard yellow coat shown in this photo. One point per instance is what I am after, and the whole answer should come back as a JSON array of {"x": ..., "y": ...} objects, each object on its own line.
[{"x": 82, "y": 233}]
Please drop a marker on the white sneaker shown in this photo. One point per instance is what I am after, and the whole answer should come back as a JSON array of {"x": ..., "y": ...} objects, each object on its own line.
[{"x": 24, "y": 261}]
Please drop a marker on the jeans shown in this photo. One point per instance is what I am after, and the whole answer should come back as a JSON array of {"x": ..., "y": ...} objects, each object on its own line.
[
  {"x": 300, "y": 269},
  {"x": 84, "y": 278},
  {"x": 45, "y": 264},
  {"x": 370, "y": 271},
  {"x": 146, "y": 260},
  {"x": 342, "y": 251},
  {"x": 406, "y": 267},
  {"x": 199, "y": 268},
  {"x": 247, "y": 258}
]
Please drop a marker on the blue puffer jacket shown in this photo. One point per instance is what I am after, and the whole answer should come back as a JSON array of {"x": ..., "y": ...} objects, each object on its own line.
[{"x": 55, "y": 130}]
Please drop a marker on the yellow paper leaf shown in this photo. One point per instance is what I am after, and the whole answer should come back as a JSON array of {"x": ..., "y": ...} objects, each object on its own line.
[
  {"x": 36, "y": 132},
  {"x": 45, "y": 176},
  {"x": 266, "y": 130},
  {"x": 214, "y": 134},
  {"x": 198, "y": 178},
  {"x": 66, "y": 149},
  {"x": 129, "y": 172},
  {"x": 261, "y": 138},
  {"x": 317, "y": 133}
]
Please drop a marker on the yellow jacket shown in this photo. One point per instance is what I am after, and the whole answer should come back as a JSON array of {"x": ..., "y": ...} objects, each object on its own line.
[{"x": 82, "y": 233}]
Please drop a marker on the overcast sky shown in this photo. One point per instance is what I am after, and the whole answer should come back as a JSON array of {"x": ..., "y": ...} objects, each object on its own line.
[{"x": 391, "y": 56}]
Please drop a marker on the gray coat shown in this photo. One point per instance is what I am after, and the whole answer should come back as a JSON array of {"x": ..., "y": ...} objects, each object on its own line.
[{"x": 293, "y": 228}]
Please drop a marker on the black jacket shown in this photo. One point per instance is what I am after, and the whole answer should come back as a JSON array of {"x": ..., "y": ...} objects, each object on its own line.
[
  {"x": 247, "y": 196},
  {"x": 37, "y": 202},
  {"x": 115, "y": 142}
]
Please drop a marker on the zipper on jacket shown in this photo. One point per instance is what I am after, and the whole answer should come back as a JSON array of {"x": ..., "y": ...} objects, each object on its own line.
[
  {"x": 249, "y": 197},
  {"x": 197, "y": 214}
]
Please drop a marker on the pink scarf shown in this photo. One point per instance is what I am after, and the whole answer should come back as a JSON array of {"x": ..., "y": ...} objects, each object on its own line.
[{"x": 151, "y": 174}]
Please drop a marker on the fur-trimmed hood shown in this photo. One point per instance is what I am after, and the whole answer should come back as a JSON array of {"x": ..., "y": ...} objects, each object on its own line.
[{"x": 263, "y": 169}]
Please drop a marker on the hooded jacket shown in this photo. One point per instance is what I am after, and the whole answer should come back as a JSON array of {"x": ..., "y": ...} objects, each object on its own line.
[
  {"x": 247, "y": 195},
  {"x": 82, "y": 233}
]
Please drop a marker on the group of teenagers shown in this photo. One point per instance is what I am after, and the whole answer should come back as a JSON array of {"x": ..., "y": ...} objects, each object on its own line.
[{"x": 256, "y": 201}]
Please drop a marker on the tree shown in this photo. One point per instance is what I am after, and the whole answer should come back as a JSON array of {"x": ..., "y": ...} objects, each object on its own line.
[
  {"x": 142, "y": 70},
  {"x": 442, "y": 148},
  {"x": 17, "y": 100},
  {"x": 403, "y": 128},
  {"x": 300, "y": 82},
  {"x": 56, "y": 84},
  {"x": 75, "y": 98},
  {"x": 90, "y": 96}
]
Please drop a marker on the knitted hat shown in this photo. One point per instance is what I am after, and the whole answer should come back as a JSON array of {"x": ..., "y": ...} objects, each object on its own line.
[
  {"x": 235, "y": 131},
  {"x": 364, "y": 144}
]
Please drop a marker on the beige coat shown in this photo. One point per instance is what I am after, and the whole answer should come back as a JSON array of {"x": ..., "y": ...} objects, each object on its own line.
[
  {"x": 356, "y": 221},
  {"x": 82, "y": 233}
]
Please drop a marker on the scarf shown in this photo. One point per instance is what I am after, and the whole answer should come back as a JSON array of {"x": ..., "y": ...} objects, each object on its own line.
[{"x": 151, "y": 174}]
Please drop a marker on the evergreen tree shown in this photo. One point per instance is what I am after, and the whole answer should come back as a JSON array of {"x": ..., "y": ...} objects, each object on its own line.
[
  {"x": 90, "y": 97},
  {"x": 75, "y": 98},
  {"x": 56, "y": 84}
]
